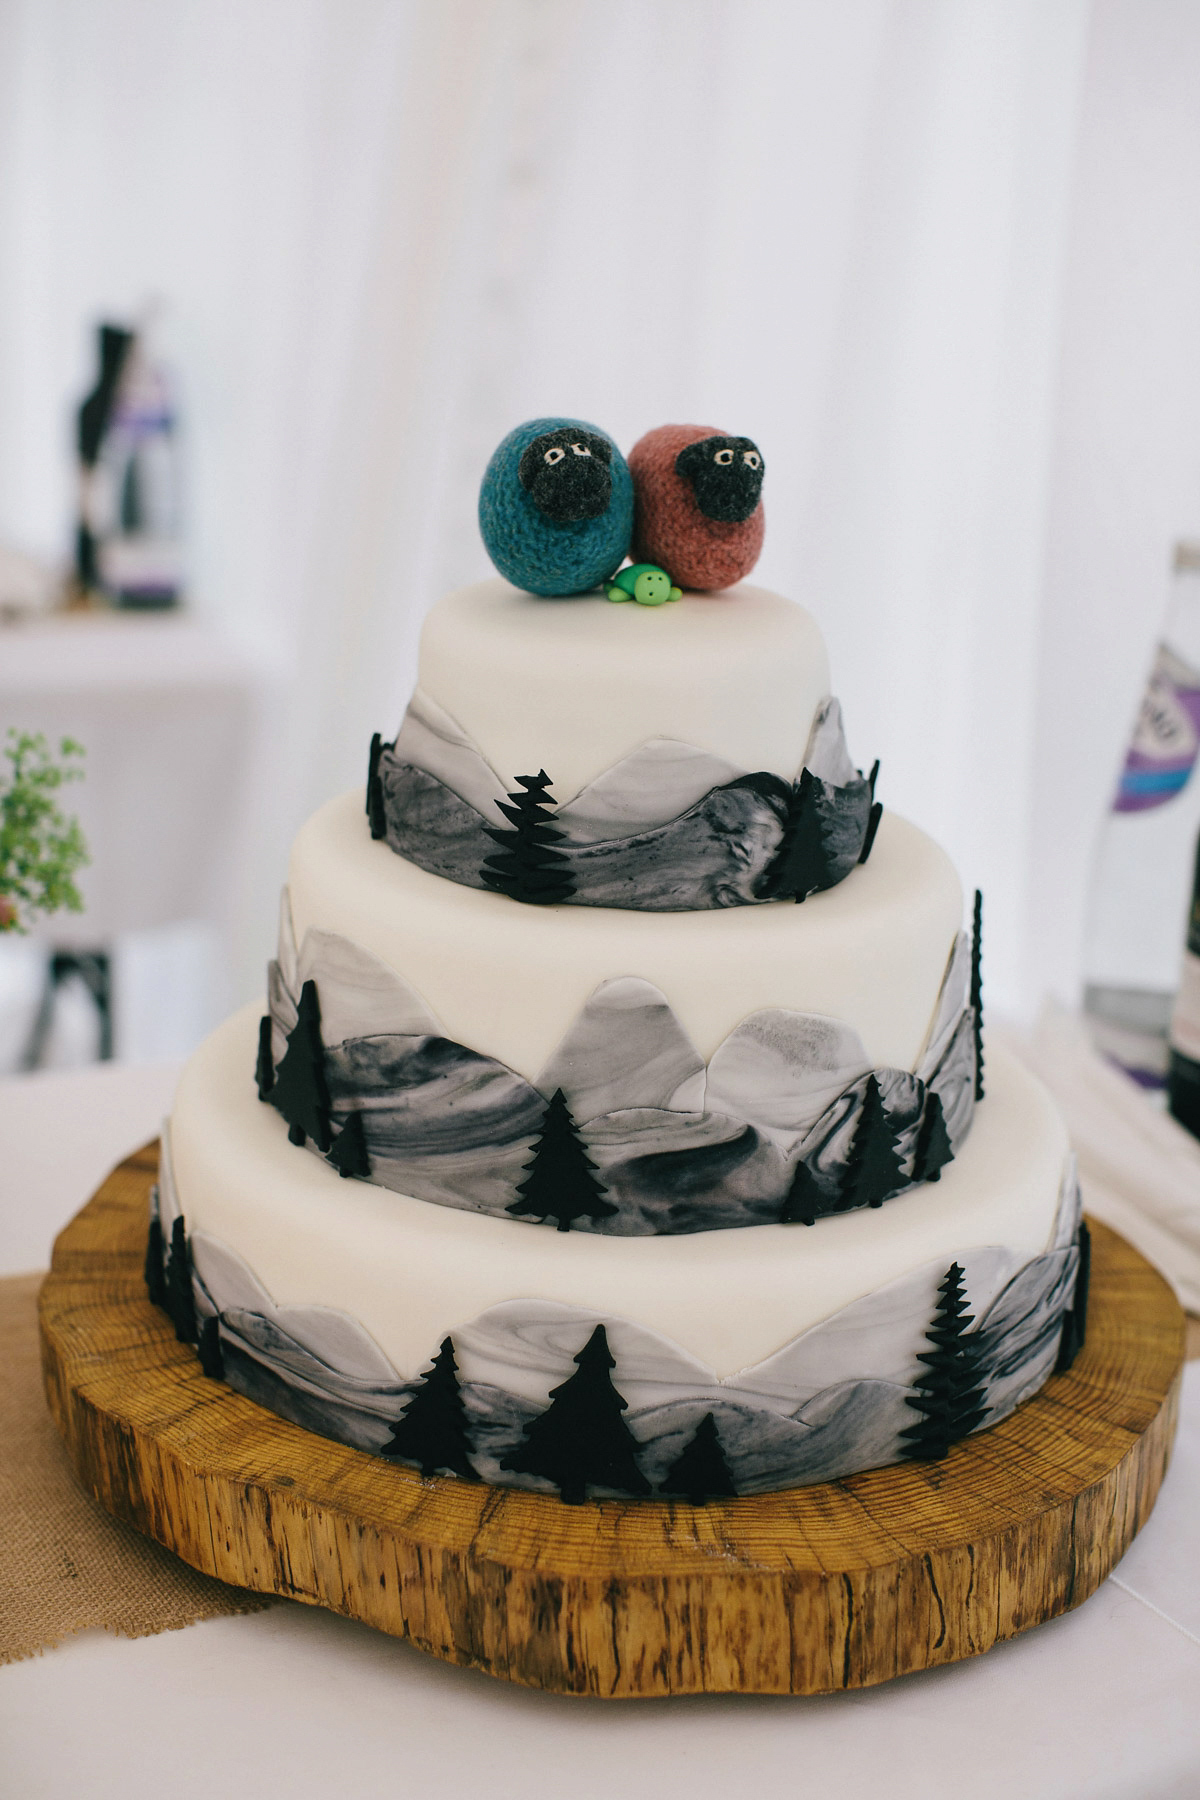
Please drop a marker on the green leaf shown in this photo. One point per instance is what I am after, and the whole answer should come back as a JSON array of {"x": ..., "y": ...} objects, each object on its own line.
[{"x": 41, "y": 849}]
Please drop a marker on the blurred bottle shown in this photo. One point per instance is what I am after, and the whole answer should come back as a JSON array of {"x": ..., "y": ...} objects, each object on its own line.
[
  {"x": 94, "y": 414},
  {"x": 1183, "y": 1073},
  {"x": 1143, "y": 868},
  {"x": 128, "y": 541}
]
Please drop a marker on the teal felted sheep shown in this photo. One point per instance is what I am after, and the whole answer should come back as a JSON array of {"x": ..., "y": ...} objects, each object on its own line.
[{"x": 556, "y": 507}]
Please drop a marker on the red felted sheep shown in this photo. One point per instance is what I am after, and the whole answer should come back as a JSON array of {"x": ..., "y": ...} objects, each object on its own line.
[{"x": 697, "y": 506}]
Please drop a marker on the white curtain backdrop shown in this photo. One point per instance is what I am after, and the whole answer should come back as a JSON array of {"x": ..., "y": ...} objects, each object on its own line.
[{"x": 385, "y": 232}]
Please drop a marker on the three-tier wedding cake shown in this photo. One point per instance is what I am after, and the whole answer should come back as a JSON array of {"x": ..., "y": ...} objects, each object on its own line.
[{"x": 618, "y": 1121}]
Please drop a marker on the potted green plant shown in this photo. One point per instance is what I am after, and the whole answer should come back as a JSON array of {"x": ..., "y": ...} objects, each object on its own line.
[{"x": 41, "y": 849}]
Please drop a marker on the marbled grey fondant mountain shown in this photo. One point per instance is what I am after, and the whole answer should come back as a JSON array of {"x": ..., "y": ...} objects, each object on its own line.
[
  {"x": 361, "y": 996},
  {"x": 834, "y": 1400},
  {"x": 669, "y": 828},
  {"x": 314, "y": 1365},
  {"x": 947, "y": 1063},
  {"x": 789, "y": 1102},
  {"x": 660, "y": 1066}
]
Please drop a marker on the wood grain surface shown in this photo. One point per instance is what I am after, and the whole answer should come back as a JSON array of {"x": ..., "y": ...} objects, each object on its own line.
[{"x": 819, "y": 1588}]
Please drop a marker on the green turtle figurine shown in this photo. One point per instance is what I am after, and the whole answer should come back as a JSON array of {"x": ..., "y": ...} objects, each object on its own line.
[{"x": 644, "y": 582}]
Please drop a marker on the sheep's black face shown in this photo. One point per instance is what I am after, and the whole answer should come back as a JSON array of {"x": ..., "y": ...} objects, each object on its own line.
[
  {"x": 726, "y": 475},
  {"x": 566, "y": 474}
]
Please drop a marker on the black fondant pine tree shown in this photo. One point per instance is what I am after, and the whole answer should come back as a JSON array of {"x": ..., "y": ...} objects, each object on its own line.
[
  {"x": 804, "y": 1202},
  {"x": 977, "y": 988},
  {"x": 376, "y": 811},
  {"x": 528, "y": 866},
  {"x": 209, "y": 1349},
  {"x": 349, "y": 1152},
  {"x": 181, "y": 1302},
  {"x": 432, "y": 1430},
  {"x": 700, "y": 1471},
  {"x": 373, "y": 755},
  {"x": 581, "y": 1440},
  {"x": 1074, "y": 1328},
  {"x": 801, "y": 864},
  {"x": 154, "y": 1268},
  {"x": 949, "y": 1395},
  {"x": 560, "y": 1181},
  {"x": 934, "y": 1149},
  {"x": 300, "y": 1092},
  {"x": 264, "y": 1067},
  {"x": 873, "y": 817},
  {"x": 874, "y": 1169}
]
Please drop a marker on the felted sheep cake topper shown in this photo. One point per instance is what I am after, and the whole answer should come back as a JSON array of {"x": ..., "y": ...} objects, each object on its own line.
[
  {"x": 697, "y": 504},
  {"x": 556, "y": 507}
]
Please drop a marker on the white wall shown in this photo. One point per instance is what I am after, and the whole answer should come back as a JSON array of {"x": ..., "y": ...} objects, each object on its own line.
[{"x": 931, "y": 253}]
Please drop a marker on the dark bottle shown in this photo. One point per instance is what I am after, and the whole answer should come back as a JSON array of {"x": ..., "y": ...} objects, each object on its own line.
[
  {"x": 1183, "y": 1070},
  {"x": 95, "y": 414},
  {"x": 128, "y": 545}
]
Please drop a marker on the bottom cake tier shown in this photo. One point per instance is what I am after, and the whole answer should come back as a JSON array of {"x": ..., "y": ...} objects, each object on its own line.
[{"x": 727, "y": 1362}]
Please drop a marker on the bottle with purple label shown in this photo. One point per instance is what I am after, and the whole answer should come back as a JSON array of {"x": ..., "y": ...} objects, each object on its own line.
[
  {"x": 1142, "y": 882},
  {"x": 128, "y": 545},
  {"x": 1183, "y": 1076}
]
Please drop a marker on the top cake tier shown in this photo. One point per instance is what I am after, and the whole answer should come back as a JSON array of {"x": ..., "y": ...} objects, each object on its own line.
[
  {"x": 576, "y": 685},
  {"x": 670, "y": 758}
]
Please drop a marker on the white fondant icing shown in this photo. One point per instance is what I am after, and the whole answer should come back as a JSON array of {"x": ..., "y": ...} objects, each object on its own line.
[
  {"x": 167, "y": 1197},
  {"x": 574, "y": 685},
  {"x": 410, "y": 1272},
  {"x": 508, "y": 980}
]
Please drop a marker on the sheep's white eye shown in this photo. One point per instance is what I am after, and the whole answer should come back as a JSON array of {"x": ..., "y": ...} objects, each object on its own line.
[
  {"x": 751, "y": 459},
  {"x": 580, "y": 450},
  {"x": 554, "y": 455},
  {"x": 723, "y": 458}
]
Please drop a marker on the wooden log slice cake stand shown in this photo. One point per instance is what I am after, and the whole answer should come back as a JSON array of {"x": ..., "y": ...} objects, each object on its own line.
[{"x": 803, "y": 1592}]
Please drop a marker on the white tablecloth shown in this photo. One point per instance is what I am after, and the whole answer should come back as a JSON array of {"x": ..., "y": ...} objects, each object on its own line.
[
  {"x": 1101, "y": 1705},
  {"x": 168, "y": 711}
]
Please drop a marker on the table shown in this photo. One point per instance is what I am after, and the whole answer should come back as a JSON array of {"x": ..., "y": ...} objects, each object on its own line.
[
  {"x": 172, "y": 714},
  {"x": 167, "y": 709},
  {"x": 1099, "y": 1705}
]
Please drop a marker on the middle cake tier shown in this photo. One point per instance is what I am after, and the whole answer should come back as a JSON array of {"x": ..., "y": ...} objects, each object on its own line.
[
  {"x": 717, "y": 1069},
  {"x": 510, "y": 980}
]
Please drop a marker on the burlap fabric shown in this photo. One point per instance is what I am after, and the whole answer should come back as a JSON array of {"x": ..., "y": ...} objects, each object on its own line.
[{"x": 65, "y": 1565}]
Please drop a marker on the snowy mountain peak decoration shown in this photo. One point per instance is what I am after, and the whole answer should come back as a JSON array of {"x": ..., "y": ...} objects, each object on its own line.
[
  {"x": 839, "y": 1397},
  {"x": 669, "y": 828},
  {"x": 787, "y": 1123}
]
